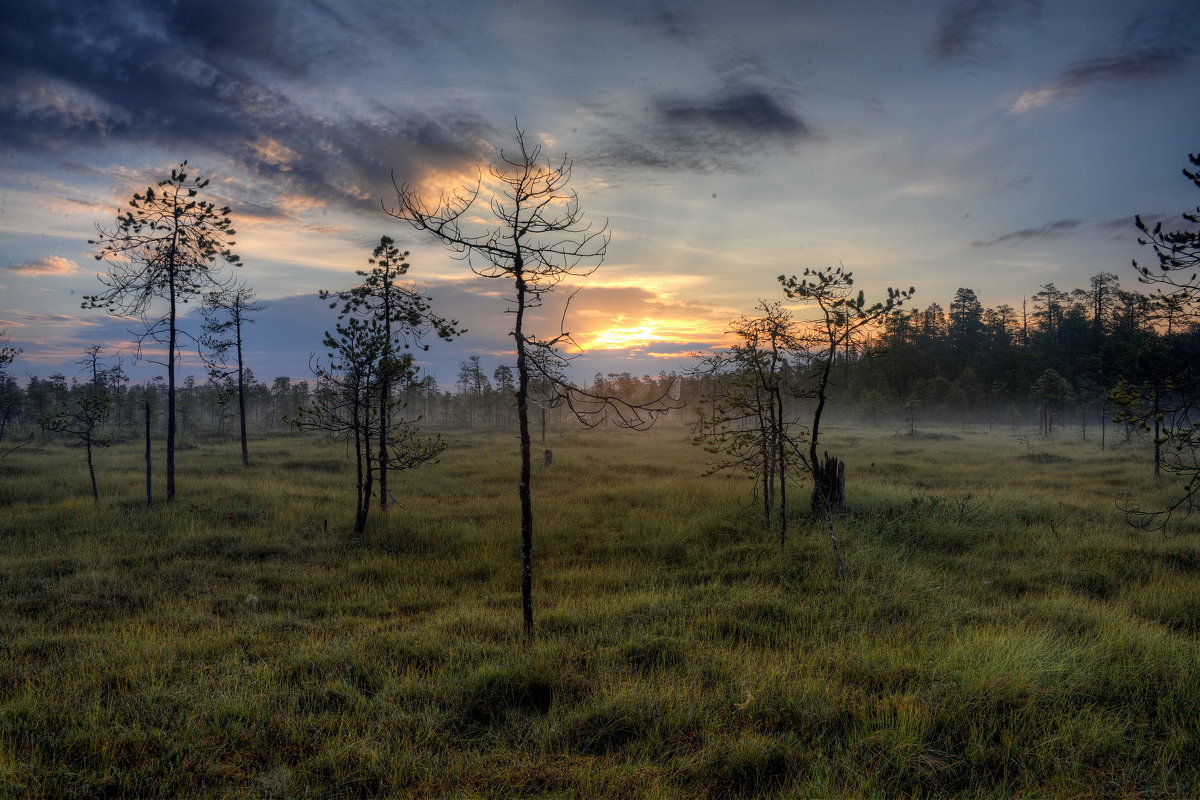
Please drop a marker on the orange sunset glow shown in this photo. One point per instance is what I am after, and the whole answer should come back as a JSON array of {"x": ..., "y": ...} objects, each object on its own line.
[{"x": 624, "y": 333}]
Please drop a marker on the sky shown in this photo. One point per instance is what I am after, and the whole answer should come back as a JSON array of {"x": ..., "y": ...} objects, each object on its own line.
[{"x": 997, "y": 145}]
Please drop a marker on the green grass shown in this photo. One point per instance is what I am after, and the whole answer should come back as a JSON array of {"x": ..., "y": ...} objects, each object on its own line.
[{"x": 1001, "y": 631}]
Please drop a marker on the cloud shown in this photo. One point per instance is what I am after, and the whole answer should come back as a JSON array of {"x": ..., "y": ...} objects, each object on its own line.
[
  {"x": 720, "y": 132},
  {"x": 1158, "y": 43},
  {"x": 1051, "y": 230},
  {"x": 1144, "y": 63},
  {"x": 749, "y": 111},
  {"x": 963, "y": 31},
  {"x": 50, "y": 265},
  {"x": 673, "y": 23},
  {"x": 1125, "y": 66},
  {"x": 216, "y": 83},
  {"x": 1121, "y": 228},
  {"x": 1035, "y": 99}
]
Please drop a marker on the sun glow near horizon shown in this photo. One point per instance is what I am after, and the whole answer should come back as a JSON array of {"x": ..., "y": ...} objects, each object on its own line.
[{"x": 638, "y": 334}]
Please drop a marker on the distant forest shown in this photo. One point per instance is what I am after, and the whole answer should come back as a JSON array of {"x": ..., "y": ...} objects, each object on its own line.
[{"x": 1052, "y": 362}]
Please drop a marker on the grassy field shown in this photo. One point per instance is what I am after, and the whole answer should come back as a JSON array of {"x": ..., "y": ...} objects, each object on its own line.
[{"x": 1001, "y": 633}]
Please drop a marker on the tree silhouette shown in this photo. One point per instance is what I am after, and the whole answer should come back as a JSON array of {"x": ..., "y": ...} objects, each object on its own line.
[
  {"x": 536, "y": 238},
  {"x": 749, "y": 428},
  {"x": 1172, "y": 405},
  {"x": 80, "y": 414},
  {"x": 238, "y": 304},
  {"x": 403, "y": 317},
  {"x": 843, "y": 315},
  {"x": 1051, "y": 391},
  {"x": 168, "y": 245},
  {"x": 10, "y": 398},
  {"x": 349, "y": 407}
]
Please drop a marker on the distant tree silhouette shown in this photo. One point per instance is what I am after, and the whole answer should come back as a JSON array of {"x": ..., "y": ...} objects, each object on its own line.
[
  {"x": 506, "y": 391},
  {"x": 1051, "y": 391},
  {"x": 237, "y": 305},
  {"x": 168, "y": 245},
  {"x": 1171, "y": 405},
  {"x": 473, "y": 385},
  {"x": 81, "y": 413},
  {"x": 10, "y": 395},
  {"x": 536, "y": 237}
]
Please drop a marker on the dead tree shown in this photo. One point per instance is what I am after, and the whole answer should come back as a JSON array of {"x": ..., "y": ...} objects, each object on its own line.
[
  {"x": 239, "y": 305},
  {"x": 536, "y": 238},
  {"x": 750, "y": 429}
]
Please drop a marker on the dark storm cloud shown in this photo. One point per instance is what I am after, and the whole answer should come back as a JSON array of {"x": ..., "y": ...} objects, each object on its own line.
[
  {"x": 1051, "y": 230},
  {"x": 720, "y": 133},
  {"x": 205, "y": 79},
  {"x": 965, "y": 27}
]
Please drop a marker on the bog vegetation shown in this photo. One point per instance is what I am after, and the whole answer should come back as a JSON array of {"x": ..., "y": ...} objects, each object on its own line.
[{"x": 1001, "y": 630}]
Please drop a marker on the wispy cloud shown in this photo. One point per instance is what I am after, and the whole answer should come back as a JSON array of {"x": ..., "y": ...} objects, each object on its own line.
[
  {"x": 1121, "y": 228},
  {"x": 965, "y": 28},
  {"x": 672, "y": 22},
  {"x": 50, "y": 265},
  {"x": 1051, "y": 230},
  {"x": 1144, "y": 63},
  {"x": 709, "y": 133}
]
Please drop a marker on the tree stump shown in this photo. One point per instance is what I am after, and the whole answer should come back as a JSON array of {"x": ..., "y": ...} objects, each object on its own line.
[
  {"x": 829, "y": 485},
  {"x": 549, "y": 457}
]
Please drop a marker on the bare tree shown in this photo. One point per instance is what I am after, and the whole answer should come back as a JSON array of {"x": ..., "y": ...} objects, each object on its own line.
[
  {"x": 537, "y": 237},
  {"x": 169, "y": 245},
  {"x": 750, "y": 429},
  {"x": 239, "y": 304}
]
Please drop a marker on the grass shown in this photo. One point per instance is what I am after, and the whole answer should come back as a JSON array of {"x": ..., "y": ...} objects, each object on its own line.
[{"x": 1001, "y": 632}]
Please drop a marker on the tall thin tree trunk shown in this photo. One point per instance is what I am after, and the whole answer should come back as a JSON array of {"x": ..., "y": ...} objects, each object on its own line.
[
  {"x": 242, "y": 394},
  {"x": 782, "y": 456},
  {"x": 384, "y": 421},
  {"x": 766, "y": 482},
  {"x": 524, "y": 490},
  {"x": 173, "y": 253},
  {"x": 171, "y": 342},
  {"x": 362, "y": 502},
  {"x": 1103, "y": 421},
  {"x": 149, "y": 461},
  {"x": 385, "y": 391},
  {"x": 92, "y": 471},
  {"x": 1157, "y": 442}
]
